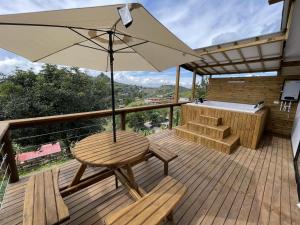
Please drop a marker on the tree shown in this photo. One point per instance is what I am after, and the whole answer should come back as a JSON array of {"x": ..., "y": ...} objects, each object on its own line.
[
  {"x": 53, "y": 91},
  {"x": 201, "y": 87}
]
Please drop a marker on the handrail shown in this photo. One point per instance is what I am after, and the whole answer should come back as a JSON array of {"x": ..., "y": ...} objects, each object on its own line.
[
  {"x": 6, "y": 125},
  {"x": 17, "y": 123}
]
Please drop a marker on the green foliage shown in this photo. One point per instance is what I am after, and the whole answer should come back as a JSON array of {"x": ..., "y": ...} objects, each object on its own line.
[
  {"x": 201, "y": 88},
  {"x": 53, "y": 91}
]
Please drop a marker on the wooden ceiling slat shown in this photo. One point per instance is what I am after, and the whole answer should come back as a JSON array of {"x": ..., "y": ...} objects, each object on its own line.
[
  {"x": 200, "y": 68},
  {"x": 260, "y": 41},
  {"x": 242, "y": 62},
  {"x": 229, "y": 60}
]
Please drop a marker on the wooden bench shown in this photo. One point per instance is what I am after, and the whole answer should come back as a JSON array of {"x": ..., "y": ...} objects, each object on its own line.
[
  {"x": 163, "y": 154},
  {"x": 43, "y": 204},
  {"x": 153, "y": 207}
]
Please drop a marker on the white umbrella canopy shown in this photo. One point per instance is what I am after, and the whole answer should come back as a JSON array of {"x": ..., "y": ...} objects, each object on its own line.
[
  {"x": 77, "y": 37},
  {"x": 94, "y": 38}
]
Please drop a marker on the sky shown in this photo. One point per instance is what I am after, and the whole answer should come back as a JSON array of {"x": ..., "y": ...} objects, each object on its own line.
[{"x": 198, "y": 23}]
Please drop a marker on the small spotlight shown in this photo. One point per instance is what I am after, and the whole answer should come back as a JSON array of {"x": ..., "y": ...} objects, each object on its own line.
[{"x": 125, "y": 15}]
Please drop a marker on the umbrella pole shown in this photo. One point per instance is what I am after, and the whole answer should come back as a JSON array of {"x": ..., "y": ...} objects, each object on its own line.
[{"x": 111, "y": 60}]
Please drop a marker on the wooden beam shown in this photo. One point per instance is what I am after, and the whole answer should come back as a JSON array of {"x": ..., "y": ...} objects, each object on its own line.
[
  {"x": 242, "y": 62},
  {"x": 252, "y": 71},
  {"x": 3, "y": 129},
  {"x": 196, "y": 66},
  {"x": 260, "y": 56},
  {"x": 88, "y": 181},
  {"x": 291, "y": 63},
  {"x": 29, "y": 122},
  {"x": 194, "y": 85},
  {"x": 213, "y": 59},
  {"x": 229, "y": 60},
  {"x": 171, "y": 118},
  {"x": 274, "y": 1},
  {"x": 244, "y": 59},
  {"x": 176, "y": 94},
  {"x": 123, "y": 120},
  {"x": 10, "y": 157},
  {"x": 281, "y": 37}
]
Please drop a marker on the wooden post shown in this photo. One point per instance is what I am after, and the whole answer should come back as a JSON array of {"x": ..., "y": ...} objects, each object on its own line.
[
  {"x": 194, "y": 85},
  {"x": 123, "y": 120},
  {"x": 171, "y": 118},
  {"x": 11, "y": 161},
  {"x": 176, "y": 94}
]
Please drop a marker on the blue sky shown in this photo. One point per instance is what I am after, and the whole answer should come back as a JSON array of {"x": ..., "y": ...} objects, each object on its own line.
[{"x": 198, "y": 23}]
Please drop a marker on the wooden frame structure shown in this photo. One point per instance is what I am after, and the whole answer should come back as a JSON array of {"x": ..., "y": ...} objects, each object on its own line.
[{"x": 258, "y": 54}]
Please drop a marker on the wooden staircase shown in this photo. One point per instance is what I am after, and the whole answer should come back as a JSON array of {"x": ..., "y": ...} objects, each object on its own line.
[{"x": 210, "y": 132}]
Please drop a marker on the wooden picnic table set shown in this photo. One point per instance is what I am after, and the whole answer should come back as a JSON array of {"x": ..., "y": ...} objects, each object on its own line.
[{"x": 44, "y": 204}]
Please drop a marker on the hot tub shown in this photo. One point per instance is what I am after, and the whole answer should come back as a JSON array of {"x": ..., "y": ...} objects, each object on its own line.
[
  {"x": 237, "y": 107},
  {"x": 244, "y": 120}
]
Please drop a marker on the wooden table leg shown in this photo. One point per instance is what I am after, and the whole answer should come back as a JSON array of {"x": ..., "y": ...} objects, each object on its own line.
[
  {"x": 78, "y": 175},
  {"x": 132, "y": 182},
  {"x": 130, "y": 177}
]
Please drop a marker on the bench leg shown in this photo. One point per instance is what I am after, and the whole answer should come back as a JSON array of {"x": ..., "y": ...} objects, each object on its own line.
[
  {"x": 166, "y": 168},
  {"x": 117, "y": 182},
  {"x": 170, "y": 216}
]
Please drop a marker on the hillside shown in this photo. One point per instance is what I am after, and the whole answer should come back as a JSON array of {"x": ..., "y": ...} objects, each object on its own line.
[{"x": 132, "y": 91}]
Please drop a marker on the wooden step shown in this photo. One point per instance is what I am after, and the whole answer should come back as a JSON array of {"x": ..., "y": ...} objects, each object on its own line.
[
  {"x": 219, "y": 132},
  {"x": 209, "y": 120},
  {"x": 226, "y": 145}
]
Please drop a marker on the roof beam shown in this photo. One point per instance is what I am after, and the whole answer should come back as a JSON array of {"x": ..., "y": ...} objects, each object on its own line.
[
  {"x": 216, "y": 61},
  {"x": 229, "y": 60},
  {"x": 274, "y": 1},
  {"x": 281, "y": 37},
  {"x": 260, "y": 56},
  {"x": 253, "y": 71},
  {"x": 242, "y": 62},
  {"x": 213, "y": 59},
  {"x": 244, "y": 59},
  {"x": 291, "y": 63},
  {"x": 194, "y": 65}
]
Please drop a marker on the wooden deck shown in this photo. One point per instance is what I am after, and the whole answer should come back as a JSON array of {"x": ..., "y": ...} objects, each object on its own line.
[{"x": 246, "y": 187}]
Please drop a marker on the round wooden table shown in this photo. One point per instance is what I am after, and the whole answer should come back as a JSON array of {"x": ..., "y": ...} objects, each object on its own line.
[{"x": 99, "y": 150}]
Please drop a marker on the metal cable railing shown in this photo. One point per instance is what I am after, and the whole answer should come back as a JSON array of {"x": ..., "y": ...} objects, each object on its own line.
[
  {"x": 67, "y": 135},
  {"x": 4, "y": 173}
]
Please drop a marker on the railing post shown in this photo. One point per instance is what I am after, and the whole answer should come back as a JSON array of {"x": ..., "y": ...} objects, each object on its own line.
[
  {"x": 11, "y": 161},
  {"x": 123, "y": 120},
  {"x": 171, "y": 117}
]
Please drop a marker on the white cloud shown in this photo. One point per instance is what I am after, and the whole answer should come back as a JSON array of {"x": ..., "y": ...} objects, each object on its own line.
[
  {"x": 199, "y": 23},
  {"x": 9, "y": 65}
]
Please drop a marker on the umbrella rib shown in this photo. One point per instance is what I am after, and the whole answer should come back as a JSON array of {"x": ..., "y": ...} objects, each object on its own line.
[
  {"x": 83, "y": 28},
  {"x": 129, "y": 46},
  {"x": 86, "y": 46},
  {"x": 138, "y": 53},
  {"x": 75, "y": 31},
  {"x": 141, "y": 39},
  {"x": 78, "y": 43},
  {"x": 50, "y": 25}
]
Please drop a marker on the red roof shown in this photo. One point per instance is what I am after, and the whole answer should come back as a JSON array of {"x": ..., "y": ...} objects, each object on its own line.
[{"x": 42, "y": 151}]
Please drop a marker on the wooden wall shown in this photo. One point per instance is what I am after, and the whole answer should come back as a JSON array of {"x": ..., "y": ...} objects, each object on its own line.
[{"x": 250, "y": 91}]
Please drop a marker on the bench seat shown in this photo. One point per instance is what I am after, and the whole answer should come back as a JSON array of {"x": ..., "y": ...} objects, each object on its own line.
[
  {"x": 163, "y": 154},
  {"x": 43, "y": 204},
  {"x": 153, "y": 207}
]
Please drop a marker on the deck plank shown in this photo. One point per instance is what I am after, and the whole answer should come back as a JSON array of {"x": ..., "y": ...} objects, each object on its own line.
[{"x": 246, "y": 187}]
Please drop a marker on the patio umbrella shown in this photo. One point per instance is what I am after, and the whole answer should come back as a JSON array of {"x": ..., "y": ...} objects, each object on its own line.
[{"x": 95, "y": 38}]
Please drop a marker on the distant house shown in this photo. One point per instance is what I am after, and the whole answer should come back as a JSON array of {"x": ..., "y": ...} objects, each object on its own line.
[{"x": 44, "y": 150}]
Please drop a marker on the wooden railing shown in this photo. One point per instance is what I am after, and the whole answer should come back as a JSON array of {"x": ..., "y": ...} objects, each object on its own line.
[{"x": 6, "y": 126}]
